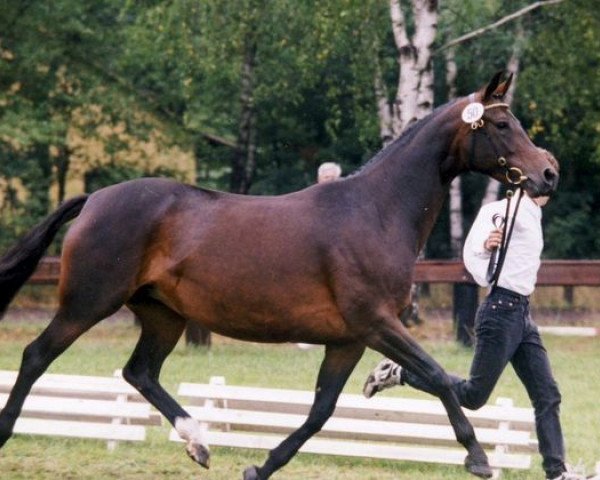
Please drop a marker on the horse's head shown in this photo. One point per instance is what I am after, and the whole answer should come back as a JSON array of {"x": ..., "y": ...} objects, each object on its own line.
[{"x": 492, "y": 141}]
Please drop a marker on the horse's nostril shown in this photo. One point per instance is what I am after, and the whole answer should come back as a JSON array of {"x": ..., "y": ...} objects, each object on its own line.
[{"x": 549, "y": 175}]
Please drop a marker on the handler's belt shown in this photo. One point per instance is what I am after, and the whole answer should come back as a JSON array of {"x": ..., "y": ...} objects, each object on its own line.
[{"x": 515, "y": 297}]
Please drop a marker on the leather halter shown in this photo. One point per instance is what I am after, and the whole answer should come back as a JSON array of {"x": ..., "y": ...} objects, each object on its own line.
[{"x": 514, "y": 176}]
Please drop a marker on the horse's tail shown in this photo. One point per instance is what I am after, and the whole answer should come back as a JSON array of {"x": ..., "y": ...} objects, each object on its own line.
[{"x": 19, "y": 263}]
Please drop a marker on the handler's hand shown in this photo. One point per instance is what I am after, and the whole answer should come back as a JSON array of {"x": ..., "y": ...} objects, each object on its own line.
[{"x": 493, "y": 241}]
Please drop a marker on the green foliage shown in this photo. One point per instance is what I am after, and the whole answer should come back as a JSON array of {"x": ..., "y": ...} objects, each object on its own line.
[
  {"x": 180, "y": 62},
  {"x": 559, "y": 101}
]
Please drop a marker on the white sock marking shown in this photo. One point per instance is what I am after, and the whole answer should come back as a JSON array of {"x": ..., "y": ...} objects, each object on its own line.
[{"x": 190, "y": 430}]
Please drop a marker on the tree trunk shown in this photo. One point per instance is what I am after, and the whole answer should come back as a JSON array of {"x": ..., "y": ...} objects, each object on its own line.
[
  {"x": 464, "y": 302},
  {"x": 414, "y": 95},
  {"x": 62, "y": 163},
  {"x": 386, "y": 132},
  {"x": 456, "y": 213},
  {"x": 243, "y": 163},
  {"x": 197, "y": 335},
  {"x": 244, "y": 156}
]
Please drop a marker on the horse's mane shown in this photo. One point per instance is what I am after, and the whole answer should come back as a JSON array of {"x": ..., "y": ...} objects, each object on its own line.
[{"x": 404, "y": 139}]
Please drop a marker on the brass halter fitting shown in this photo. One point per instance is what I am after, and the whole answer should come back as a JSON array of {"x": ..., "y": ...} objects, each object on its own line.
[
  {"x": 478, "y": 124},
  {"x": 514, "y": 175}
]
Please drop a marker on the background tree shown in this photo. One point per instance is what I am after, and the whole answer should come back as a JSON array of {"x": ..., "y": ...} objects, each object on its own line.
[{"x": 564, "y": 116}]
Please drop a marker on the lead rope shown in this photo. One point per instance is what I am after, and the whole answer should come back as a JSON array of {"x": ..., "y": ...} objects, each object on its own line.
[{"x": 499, "y": 254}]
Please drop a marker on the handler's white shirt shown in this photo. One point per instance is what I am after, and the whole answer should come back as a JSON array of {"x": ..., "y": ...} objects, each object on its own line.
[{"x": 522, "y": 261}]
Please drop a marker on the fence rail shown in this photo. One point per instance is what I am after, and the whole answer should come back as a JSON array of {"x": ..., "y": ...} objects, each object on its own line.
[{"x": 552, "y": 272}]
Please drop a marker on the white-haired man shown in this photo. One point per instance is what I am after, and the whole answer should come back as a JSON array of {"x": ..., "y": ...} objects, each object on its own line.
[{"x": 328, "y": 172}]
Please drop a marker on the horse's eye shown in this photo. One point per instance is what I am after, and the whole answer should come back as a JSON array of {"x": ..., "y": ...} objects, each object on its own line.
[{"x": 502, "y": 125}]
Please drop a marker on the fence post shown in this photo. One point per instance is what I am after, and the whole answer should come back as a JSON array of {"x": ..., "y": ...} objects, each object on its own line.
[
  {"x": 197, "y": 335},
  {"x": 464, "y": 308}
]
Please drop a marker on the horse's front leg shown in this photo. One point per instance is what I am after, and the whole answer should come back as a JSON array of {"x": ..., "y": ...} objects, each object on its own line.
[
  {"x": 393, "y": 340},
  {"x": 337, "y": 366}
]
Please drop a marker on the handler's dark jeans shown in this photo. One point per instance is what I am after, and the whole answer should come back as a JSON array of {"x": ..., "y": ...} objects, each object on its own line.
[{"x": 505, "y": 332}]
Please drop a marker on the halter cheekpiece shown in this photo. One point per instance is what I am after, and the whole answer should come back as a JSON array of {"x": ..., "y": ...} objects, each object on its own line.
[{"x": 473, "y": 114}]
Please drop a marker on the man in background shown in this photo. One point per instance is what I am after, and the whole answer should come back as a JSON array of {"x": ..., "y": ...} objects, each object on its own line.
[{"x": 328, "y": 172}]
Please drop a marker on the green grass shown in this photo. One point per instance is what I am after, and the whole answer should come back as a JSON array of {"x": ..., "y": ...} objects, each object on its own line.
[{"x": 576, "y": 364}]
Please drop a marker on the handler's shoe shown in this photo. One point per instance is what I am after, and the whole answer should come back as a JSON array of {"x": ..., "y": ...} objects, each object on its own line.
[
  {"x": 570, "y": 476},
  {"x": 385, "y": 375},
  {"x": 573, "y": 475}
]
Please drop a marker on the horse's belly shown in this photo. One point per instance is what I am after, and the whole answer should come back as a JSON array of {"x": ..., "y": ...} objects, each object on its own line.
[
  {"x": 252, "y": 295},
  {"x": 265, "y": 326},
  {"x": 262, "y": 316}
]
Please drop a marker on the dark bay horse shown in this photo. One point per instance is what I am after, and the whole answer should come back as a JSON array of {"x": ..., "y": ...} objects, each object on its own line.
[{"x": 331, "y": 264}]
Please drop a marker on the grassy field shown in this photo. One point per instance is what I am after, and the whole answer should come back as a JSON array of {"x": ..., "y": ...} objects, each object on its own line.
[{"x": 576, "y": 363}]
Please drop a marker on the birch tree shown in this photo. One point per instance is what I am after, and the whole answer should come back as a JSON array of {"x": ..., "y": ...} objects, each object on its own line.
[
  {"x": 414, "y": 93},
  {"x": 243, "y": 165},
  {"x": 455, "y": 194}
]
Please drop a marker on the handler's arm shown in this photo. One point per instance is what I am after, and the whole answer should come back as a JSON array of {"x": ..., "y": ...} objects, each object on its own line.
[{"x": 476, "y": 257}]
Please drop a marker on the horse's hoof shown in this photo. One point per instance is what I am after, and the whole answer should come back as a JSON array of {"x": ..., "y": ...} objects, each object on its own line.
[
  {"x": 199, "y": 454},
  {"x": 479, "y": 468},
  {"x": 251, "y": 473}
]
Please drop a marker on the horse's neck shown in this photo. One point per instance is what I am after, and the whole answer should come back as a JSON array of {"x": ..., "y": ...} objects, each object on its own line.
[{"x": 410, "y": 183}]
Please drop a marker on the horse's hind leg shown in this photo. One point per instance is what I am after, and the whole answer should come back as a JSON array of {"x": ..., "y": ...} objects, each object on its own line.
[
  {"x": 161, "y": 329},
  {"x": 336, "y": 368},
  {"x": 396, "y": 343},
  {"x": 62, "y": 331}
]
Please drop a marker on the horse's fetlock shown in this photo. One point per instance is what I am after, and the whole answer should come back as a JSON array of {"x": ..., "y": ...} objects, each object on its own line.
[
  {"x": 190, "y": 431},
  {"x": 465, "y": 435}
]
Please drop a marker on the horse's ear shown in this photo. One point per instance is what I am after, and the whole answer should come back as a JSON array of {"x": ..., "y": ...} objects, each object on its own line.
[{"x": 496, "y": 89}]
